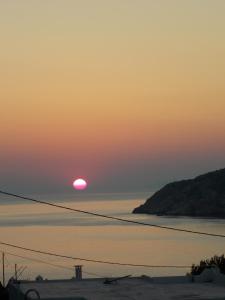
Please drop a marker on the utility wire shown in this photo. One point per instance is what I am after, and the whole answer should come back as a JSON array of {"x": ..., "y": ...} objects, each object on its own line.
[
  {"x": 113, "y": 218},
  {"x": 48, "y": 263},
  {"x": 21, "y": 272},
  {"x": 39, "y": 261},
  {"x": 88, "y": 259}
]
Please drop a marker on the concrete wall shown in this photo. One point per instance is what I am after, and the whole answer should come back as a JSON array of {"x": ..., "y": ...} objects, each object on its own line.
[
  {"x": 16, "y": 294},
  {"x": 171, "y": 279}
]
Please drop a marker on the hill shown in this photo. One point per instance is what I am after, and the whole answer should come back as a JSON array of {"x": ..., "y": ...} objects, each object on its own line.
[{"x": 203, "y": 196}]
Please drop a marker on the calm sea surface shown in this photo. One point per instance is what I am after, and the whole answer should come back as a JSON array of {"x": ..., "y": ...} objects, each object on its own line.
[{"x": 51, "y": 229}]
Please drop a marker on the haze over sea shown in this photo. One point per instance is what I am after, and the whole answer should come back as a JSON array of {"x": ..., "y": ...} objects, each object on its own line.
[{"x": 51, "y": 229}]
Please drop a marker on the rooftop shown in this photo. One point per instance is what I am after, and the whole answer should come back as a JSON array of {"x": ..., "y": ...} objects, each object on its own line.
[{"x": 140, "y": 288}]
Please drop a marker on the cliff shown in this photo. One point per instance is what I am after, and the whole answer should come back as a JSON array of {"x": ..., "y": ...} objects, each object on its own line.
[{"x": 203, "y": 196}]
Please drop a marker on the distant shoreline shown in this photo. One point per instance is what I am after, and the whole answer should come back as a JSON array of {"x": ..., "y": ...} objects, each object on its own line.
[{"x": 202, "y": 196}]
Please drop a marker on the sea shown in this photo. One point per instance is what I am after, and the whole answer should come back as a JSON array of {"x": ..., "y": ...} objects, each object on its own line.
[{"x": 50, "y": 229}]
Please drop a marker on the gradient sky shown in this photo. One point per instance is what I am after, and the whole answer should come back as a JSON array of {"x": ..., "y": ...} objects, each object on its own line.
[{"x": 129, "y": 94}]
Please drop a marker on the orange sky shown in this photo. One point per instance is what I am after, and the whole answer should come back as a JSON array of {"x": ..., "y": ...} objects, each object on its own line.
[{"x": 115, "y": 91}]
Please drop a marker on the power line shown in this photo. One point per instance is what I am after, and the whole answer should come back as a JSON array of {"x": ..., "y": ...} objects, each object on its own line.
[
  {"x": 21, "y": 272},
  {"x": 48, "y": 263},
  {"x": 93, "y": 274},
  {"x": 88, "y": 259},
  {"x": 114, "y": 218},
  {"x": 39, "y": 261}
]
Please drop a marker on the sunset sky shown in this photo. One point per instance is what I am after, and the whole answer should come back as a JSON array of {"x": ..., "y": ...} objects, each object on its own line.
[{"x": 129, "y": 94}]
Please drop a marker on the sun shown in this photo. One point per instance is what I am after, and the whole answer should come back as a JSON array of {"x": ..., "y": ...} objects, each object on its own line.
[{"x": 80, "y": 184}]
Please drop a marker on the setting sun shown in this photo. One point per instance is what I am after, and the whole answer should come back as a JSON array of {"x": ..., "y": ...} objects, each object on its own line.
[{"x": 80, "y": 184}]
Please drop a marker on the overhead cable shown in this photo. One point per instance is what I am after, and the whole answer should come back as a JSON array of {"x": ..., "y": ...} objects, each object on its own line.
[
  {"x": 88, "y": 259},
  {"x": 112, "y": 217},
  {"x": 48, "y": 263},
  {"x": 39, "y": 261}
]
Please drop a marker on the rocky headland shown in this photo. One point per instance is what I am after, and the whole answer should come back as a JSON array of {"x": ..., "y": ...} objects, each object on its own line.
[{"x": 203, "y": 196}]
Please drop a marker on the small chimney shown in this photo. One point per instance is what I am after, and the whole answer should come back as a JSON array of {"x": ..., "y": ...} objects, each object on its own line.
[{"x": 78, "y": 272}]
